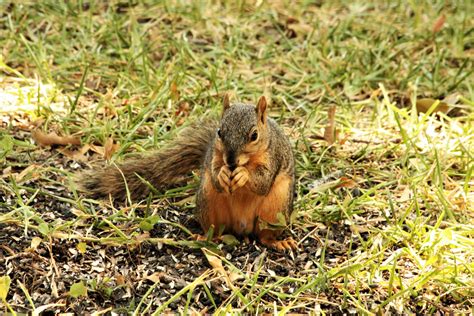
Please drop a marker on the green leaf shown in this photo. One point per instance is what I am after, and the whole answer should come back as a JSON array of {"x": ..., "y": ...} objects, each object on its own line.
[
  {"x": 44, "y": 229},
  {"x": 148, "y": 223},
  {"x": 278, "y": 225},
  {"x": 230, "y": 240},
  {"x": 78, "y": 289},
  {"x": 281, "y": 219},
  {"x": 108, "y": 291},
  {"x": 4, "y": 287},
  {"x": 6, "y": 145},
  {"x": 82, "y": 247}
]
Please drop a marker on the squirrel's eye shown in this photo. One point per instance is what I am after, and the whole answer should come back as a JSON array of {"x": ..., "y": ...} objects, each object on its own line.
[
  {"x": 219, "y": 133},
  {"x": 254, "y": 136}
]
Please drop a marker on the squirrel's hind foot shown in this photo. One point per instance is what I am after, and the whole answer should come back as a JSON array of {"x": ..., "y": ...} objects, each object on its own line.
[{"x": 281, "y": 245}]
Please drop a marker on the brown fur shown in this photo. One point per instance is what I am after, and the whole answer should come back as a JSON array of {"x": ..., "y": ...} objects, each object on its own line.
[
  {"x": 244, "y": 211},
  {"x": 161, "y": 169},
  {"x": 266, "y": 168},
  {"x": 247, "y": 173}
]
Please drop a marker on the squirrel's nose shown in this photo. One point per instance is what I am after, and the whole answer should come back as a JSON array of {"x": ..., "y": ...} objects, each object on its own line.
[{"x": 231, "y": 161}]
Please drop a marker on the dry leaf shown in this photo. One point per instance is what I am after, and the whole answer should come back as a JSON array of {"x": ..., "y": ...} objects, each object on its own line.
[
  {"x": 174, "y": 91},
  {"x": 78, "y": 155},
  {"x": 98, "y": 149},
  {"x": 7, "y": 171},
  {"x": 52, "y": 138},
  {"x": 108, "y": 111},
  {"x": 406, "y": 195},
  {"x": 93, "y": 82},
  {"x": 234, "y": 276},
  {"x": 216, "y": 264},
  {"x": 423, "y": 105},
  {"x": 110, "y": 148},
  {"x": 183, "y": 109},
  {"x": 35, "y": 242},
  {"x": 452, "y": 99},
  {"x": 142, "y": 237},
  {"x": 358, "y": 228},
  {"x": 80, "y": 213},
  {"x": 186, "y": 200},
  {"x": 37, "y": 123},
  {"x": 30, "y": 169},
  {"x": 438, "y": 24},
  {"x": 300, "y": 28},
  {"x": 346, "y": 183},
  {"x": 155, "y": 277},
  {"x": 330, "y": 133},
  {"x": 119, "y": 279}
]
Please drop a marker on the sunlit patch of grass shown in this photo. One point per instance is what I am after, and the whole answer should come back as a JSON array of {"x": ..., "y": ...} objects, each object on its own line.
[{"x": 21, "y": 95}]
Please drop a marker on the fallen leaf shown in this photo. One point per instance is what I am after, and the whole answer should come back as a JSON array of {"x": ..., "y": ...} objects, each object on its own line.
[
  {"x": 119, "y": 279},
  {"x": 78, "y": 289},
  {"x": 110, "y": 148},
  {"x": 78, "y": 155},
  {"x": 216, "y": 264},
  {"x": 52, "y": 138},
  {"x": 425, "y": 104},
  {"x": 358, "y": 228},
  {"x": 330, "y": 132},
  {"x": 183, "y": 109},
  {"x": 80, "y": 213},
  {"x": 108, "y": 111},
  {"x": 7, "y": 171},
  {"x": 452, "y": 98},
  {"x": 33, "y": 169},
  {"x": 93, "y": 82},
  {"x": 174, "y": 91},
  {"x": 300, "y": 28},
  {"x": 36, "y": 123},
  {"x": 230, "y": 240},
  {"x": 319, "y": 187},
  {"x": 35, "y": 242},
  {"x": 186, "y": 200},
  {"x": 98, "y": 149},
  {"x": 438, "y": 24},
  {"x": 4, "y": 287},
  {"x": 155, "y": 277},
  {"x": 82, "y": 247},
  {"x": 142, "y": 237},
  {"x": 346, "y": 183}
]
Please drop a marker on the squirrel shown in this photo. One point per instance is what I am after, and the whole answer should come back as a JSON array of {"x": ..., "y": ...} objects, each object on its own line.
[{"x": 247, "y": 174}]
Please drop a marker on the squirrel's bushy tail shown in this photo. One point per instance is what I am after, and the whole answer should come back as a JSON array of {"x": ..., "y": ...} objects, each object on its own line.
[{"x": 161, "y": 169}]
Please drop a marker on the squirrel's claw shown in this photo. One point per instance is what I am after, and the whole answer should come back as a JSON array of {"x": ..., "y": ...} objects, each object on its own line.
[
  {"x": 240, "y": 176},
  {"x": 224, "y": 178},
  {"x": 281, "y": 245}
]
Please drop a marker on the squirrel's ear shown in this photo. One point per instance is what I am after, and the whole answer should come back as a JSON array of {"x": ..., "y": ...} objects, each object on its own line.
[
  {"x": 225, "y": 102},
  {"x": 262, "y": 109}
]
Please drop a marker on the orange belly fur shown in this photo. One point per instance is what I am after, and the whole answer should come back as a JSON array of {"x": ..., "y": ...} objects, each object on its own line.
[{"x": 238, "y": 212}]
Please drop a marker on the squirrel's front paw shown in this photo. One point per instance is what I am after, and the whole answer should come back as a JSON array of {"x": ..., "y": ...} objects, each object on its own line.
[
  {"x": 239, "y": 176},
  {"x": 224, "y": 177}
]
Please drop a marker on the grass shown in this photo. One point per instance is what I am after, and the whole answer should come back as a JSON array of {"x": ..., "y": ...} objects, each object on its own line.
[{"x": 396, "y": 238}]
